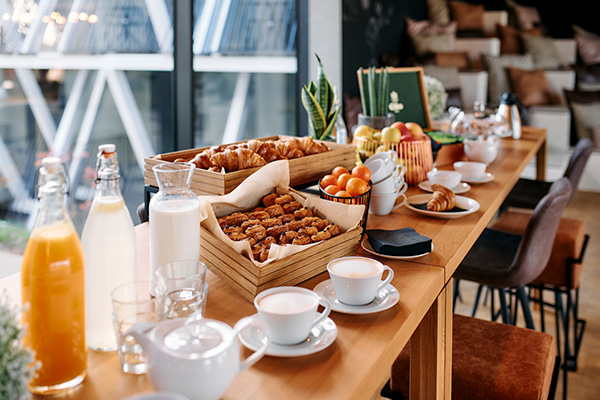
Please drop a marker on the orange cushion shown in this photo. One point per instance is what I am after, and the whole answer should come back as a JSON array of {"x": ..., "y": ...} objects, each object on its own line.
[
  {"x": 491, "y": 361},
  {"x": 567, "y": 244},
  {"x": 531, "y": 86}
]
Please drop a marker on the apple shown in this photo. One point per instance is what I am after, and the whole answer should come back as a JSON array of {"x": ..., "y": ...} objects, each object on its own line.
[
  {"x": 363, "y": 131},
  {"x": 389, "y": 134},
  {"x": 415, "y": 130},
  {"x": 401, "y": 126}
]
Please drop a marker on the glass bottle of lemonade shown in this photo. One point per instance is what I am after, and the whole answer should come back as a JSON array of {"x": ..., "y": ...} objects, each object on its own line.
[
  {"x": 108, "y": 241},
  {"x": 52, "y": 288}
]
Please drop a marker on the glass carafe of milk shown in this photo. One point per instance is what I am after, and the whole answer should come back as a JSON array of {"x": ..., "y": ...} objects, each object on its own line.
[
  {"x": 109, "y": 246},
  {"x": 174, "y": 216}
]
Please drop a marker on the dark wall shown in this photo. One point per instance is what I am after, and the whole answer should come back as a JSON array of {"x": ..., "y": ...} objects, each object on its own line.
[{"x": 371, "y": 28}]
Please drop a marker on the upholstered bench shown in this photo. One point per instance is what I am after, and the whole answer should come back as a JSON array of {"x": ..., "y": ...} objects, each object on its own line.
[{"x": 490, "y": 361}]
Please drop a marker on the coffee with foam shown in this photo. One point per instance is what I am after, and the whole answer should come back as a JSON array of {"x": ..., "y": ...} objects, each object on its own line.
[
  {"x": 355, "y": 267},
  {"x": 288, "y": 302}
]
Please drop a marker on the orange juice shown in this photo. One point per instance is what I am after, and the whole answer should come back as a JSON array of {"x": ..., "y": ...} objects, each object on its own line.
[{"x": 52, "y": 279}]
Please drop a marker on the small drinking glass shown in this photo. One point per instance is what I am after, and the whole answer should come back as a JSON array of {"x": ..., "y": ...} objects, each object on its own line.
[
  {"x": 186, "y": 289},
  {"x": 135, "y": 303}
]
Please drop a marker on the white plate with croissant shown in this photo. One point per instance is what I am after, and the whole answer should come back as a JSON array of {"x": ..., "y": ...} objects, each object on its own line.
[{"x": 443, "y": 203}]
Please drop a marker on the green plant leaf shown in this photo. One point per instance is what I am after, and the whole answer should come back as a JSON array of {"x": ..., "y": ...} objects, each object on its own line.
[
  {"x": 372, "y": 92},
  {"x": 315, "y": 112},
  {"x": 322, "y": 87},
  {"x": 363, "y": 88},
  {"x": 331, "y": 124},
  {"x": 312, "y": 88}
]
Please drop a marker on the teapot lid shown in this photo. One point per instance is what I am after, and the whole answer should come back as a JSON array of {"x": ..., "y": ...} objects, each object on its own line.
[{"x": 194, "y": 337}]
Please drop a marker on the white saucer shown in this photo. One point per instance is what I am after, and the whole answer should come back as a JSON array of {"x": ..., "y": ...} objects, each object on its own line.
[
  {"x": 469, "y": 205},
  {"x": 251, "y": 335},
  {"x": 458, "y": 189},
  {"x": 326, "y": 290},
  {"x": 368, "y": 248},
  {"x": 487, "y": 177}
]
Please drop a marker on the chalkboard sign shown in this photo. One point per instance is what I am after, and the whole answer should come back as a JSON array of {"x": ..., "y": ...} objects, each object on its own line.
[{"x": 408, "y": 97}]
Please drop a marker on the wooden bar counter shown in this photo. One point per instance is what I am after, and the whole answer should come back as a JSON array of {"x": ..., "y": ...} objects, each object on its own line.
[{"x": 357, "y": 364}]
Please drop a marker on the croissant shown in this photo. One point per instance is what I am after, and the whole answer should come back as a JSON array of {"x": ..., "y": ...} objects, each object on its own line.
[
  {"x": 309, "y": 146},
  {"x": 289, "y": 149},
  {"x": 267, "y": 149},
  {"x": 443, "y": 199},
  {"x": 237, "y": 159},
  {"x": 203, "y": 159}
]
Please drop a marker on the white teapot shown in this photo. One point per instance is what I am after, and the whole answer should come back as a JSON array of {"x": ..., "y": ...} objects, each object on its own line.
[
  {"x": 482, "y": 149},
  {"x": 195, "y": 357}
]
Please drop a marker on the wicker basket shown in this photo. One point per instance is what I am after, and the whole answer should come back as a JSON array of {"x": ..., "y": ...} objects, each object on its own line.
[{"x": 416, "y": 156}]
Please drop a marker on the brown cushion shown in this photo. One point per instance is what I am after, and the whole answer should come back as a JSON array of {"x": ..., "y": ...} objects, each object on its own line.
[
  {"x": 469, "y": 17},
  {"x": 510, "y": 40},
  {"x": 491, "y": 361},
  {"x": 530, "y": 86},
  {"x": 459, "y": 59},
  {"x": 498, "y": 82},
  {"x": 567, "y": 245}
]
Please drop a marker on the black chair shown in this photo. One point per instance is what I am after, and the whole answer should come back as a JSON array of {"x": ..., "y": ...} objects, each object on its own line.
[
  {"x": 504, "y": 261},
  {"x": 528, "y": 192}
]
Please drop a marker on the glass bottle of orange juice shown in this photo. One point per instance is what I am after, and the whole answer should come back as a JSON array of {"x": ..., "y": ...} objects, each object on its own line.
[{"x": 52, "y": 288}]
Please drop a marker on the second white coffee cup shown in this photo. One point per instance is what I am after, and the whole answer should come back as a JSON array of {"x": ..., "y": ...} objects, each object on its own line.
[
  {"x": 356, "y": 280},
  {"x": 290, "y": 313}
]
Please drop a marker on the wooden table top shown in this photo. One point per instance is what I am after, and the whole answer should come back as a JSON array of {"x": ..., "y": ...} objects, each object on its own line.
[{"x": 356, "y": 364}]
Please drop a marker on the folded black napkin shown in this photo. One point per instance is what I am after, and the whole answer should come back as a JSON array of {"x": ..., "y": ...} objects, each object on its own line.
[{"x": 399, "y": 242}]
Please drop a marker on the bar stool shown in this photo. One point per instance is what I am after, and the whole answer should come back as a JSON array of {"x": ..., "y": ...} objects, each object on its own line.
[
  {"x": 507, "y": 261},
  {"x": 490, "y": 361},
  {"x": 561, "y": 276},
  {"x": 528, "y": 192}
]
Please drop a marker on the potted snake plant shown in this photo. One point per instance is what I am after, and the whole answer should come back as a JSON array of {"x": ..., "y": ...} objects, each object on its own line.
[{"x": 318, "y": 99}]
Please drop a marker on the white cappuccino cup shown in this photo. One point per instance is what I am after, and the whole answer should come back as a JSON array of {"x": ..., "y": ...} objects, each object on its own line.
[
  {"x": 356, "y": 280},
  {"x": 290, "y": 313}
]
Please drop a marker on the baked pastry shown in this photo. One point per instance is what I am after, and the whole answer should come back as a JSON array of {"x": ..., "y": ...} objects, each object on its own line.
[
  {"x": 264, "y": 226},
  {"x": 275, "y": 210},
  {"x": 269, "y": 199},
  {"x": 290, "y": 207},
  {"x": 308, "y": 146},
  {"x": 289, "y": 149},
  {"x": 204, "y": 159},
  {"x": 267, "y": 149},
  {"x": 257, "y": 232},
  {"x": 443, "y": 199},
  {"x": 235, "y": 159}
]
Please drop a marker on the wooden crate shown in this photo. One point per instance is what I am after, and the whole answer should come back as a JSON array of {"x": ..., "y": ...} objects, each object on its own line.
[
  {"x": 249, "y": 280},
  {"x": 303, "y": 170}
]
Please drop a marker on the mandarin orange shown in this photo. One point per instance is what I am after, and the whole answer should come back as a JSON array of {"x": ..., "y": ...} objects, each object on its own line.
[
  {"x": 356, "y": 186},
  {"x": 339, "y": 170},
  {"x": 328, "y": 180},
  {"x": 343, "y": 180},
  {"x": 362, "y": 172}
]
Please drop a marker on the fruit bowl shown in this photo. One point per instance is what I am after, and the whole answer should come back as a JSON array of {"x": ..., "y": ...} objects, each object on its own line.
[
  {"x": 364, "y": 199},
  {"x": 416, "y": 156}
]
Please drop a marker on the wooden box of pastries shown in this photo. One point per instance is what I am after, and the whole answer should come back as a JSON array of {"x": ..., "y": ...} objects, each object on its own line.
[
  {"x": 265, "y": 234},
  {"x": 220, "y": 169}
]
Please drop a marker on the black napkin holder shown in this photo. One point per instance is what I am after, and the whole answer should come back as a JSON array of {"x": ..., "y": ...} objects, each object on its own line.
[{"x": 399, "y": 242}]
